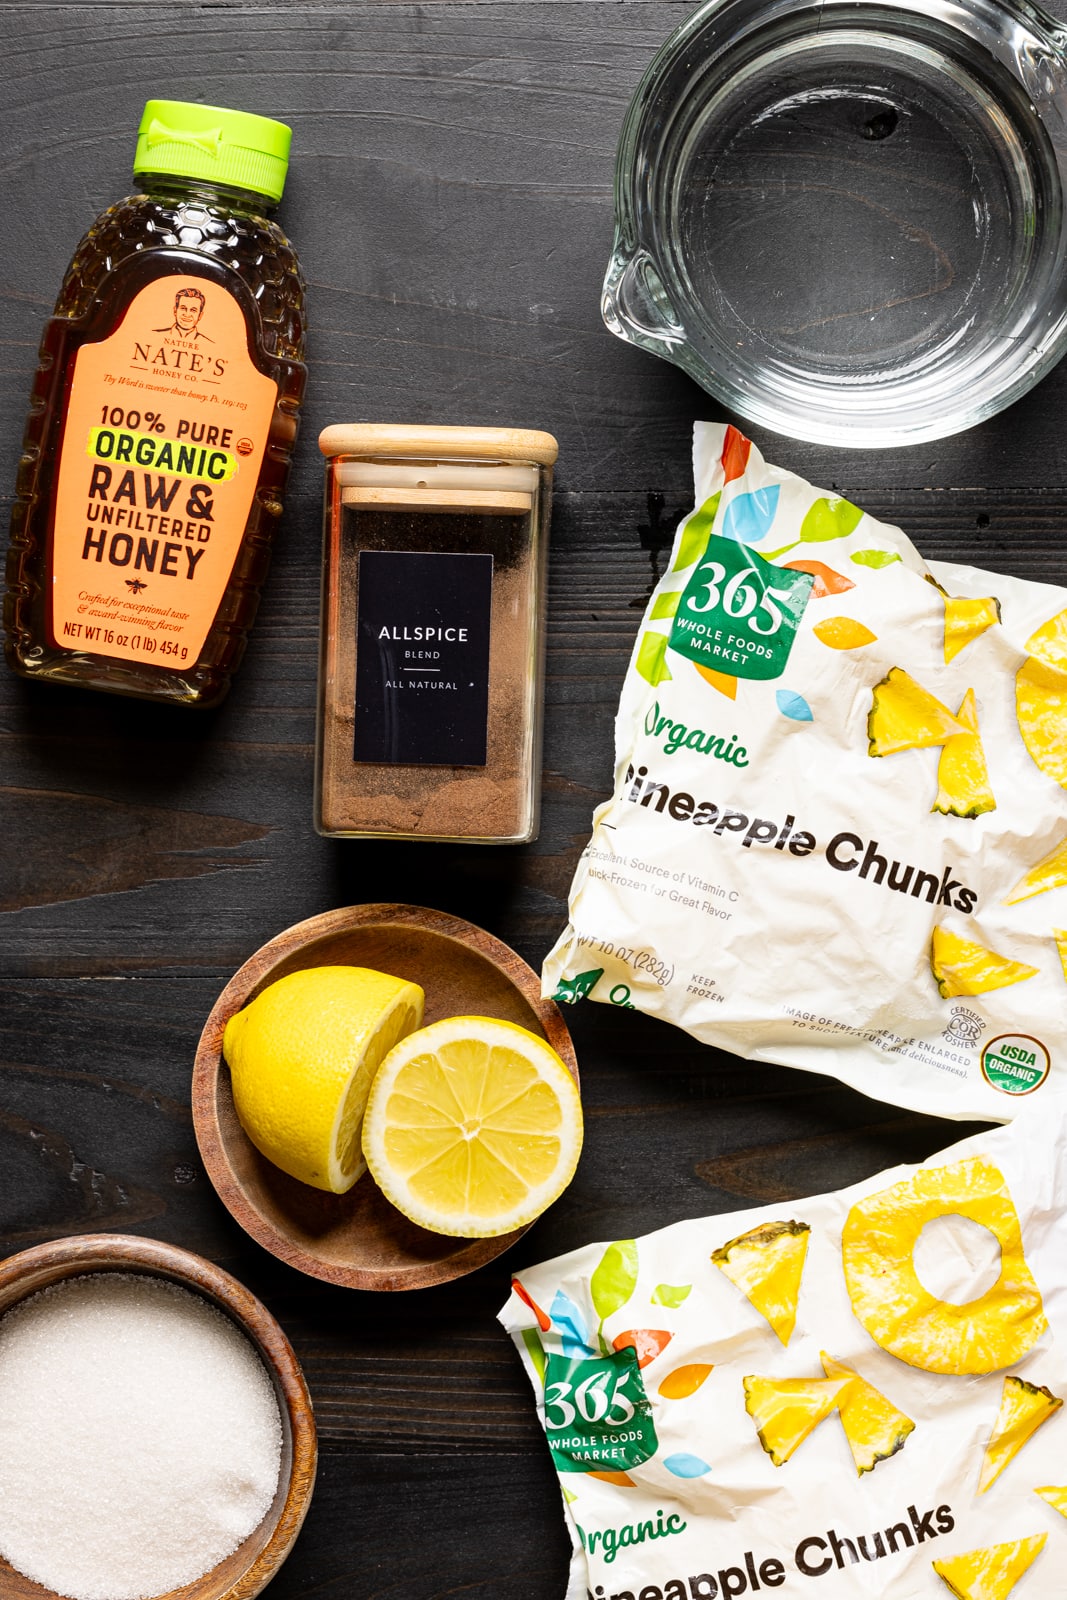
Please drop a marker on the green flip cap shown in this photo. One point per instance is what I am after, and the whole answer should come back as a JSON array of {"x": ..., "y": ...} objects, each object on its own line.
[{"x": 209, "y": 142}]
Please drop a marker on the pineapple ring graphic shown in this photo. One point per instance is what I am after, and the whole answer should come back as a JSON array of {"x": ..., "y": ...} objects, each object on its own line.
[{"x": 905, "y": 1319}]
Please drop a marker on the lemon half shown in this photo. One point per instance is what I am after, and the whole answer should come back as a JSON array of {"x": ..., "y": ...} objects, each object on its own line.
[
  {"x": 473, "y": 1127},
  {"x": 302, "y": 1057}
]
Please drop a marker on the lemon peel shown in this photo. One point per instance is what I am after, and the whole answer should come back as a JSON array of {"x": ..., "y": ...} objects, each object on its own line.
[{"x": 302, "y": 1056}]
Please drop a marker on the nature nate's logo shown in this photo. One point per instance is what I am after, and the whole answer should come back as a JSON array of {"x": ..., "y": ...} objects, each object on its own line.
[
  {"x": 597, "y": 1414},
  {"x": 739, "y": 613},
  {"x": 188, "y": 309},
  {"x": 182, "y": 344}
]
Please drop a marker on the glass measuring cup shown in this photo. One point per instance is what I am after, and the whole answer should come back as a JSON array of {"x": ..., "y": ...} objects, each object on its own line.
[{"x": 845, "y": 219}]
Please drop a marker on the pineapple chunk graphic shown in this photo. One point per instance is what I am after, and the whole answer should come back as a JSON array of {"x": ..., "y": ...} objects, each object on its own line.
[
  {"x": 767, "y": 1264},
  {"x": 905, "y": 716},
  {"x": 1048, "y": 873},
  {"x": 873, "y": 1426},
  {"x": 786, "y": 1410},
  {"x": 963, "y": 967},
  {"x": 1056, "y": 1497},
  {"x": 1023, "y": 1408},
  {"x": 1049, "y": 643},
  {"x": 965, "y": 620},
  {"x": 877, "y": 1244},
  {"x": 1041, "y": 698},
  {"x": 962, "y": 775},
  {"x": 992, "y": 1573},
  {"x": 1060, "y": 936}
]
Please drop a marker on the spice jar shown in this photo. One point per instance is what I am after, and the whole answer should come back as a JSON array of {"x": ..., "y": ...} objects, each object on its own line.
[{"x": 430, "y": 680}]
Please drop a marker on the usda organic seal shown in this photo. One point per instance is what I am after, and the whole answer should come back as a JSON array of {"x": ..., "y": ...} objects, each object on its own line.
[{"x": 1015, "y": 1063}]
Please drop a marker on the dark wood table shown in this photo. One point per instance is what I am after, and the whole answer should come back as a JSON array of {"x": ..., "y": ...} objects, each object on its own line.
[{"x": 450, "y": 196}]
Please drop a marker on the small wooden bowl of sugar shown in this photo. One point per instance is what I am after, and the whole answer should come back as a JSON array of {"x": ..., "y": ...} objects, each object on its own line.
[{"x": 156, "y": 1436}]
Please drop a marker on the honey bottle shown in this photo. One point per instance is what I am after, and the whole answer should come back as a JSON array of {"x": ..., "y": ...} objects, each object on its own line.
[{"x": 162, "y": 421}]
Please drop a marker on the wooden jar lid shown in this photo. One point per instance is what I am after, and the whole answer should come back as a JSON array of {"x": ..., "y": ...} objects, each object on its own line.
[{"x": 398, "y": 439}]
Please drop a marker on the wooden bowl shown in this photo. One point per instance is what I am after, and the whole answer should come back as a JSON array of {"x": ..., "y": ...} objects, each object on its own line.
[
  {"x": 254, "y": 1563},
  {"x": 359, "y": 1239}
]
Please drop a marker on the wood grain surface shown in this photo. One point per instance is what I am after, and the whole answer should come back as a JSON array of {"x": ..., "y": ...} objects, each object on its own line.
[{"x": 450, "y": 195}]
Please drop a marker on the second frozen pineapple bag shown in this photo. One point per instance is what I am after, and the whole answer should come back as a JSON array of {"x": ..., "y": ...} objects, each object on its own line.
[{"x": 838, "y": 832}]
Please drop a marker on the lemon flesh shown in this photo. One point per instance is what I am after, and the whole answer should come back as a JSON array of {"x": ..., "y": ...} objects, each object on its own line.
[
  {"x": 473, "y": 1127},
  {"x": 302, "y": 1057}
]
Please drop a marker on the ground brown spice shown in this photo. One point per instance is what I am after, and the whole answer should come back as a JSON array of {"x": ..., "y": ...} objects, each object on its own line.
[{"x": 494, "y": 802}]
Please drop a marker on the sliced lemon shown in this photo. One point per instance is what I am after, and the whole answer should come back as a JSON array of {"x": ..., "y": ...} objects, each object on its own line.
[
  {"x": 302, "y": 1057},
  {"x": 473, "y": 1127}
]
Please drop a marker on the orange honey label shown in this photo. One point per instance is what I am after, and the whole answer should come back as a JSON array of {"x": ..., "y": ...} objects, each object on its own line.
[{"x": 165, "y": 430}]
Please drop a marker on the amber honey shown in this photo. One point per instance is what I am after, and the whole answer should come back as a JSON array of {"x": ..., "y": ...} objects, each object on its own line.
[{"x": 161, "y": 422}]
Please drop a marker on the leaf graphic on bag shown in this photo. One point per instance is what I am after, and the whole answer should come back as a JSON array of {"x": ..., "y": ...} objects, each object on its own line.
[
  {"x": 615, "y": 1278},
  {"x": 648, "y": 1342},
  {"x": 671, "y": 1294},
  {"x": 695, "y": 534},
  {"x": 874, "y": 558},
  {"x": 535, "y": 1350},
  {"x": 571, "y": 1324},
  {"x": 684, "y": 1465},
  {"x": 749, "y": 517},
  {"x": 828, "y": 518},
  {"x": 684, "y": 1381},
  {"x": 651, "y": 658}
]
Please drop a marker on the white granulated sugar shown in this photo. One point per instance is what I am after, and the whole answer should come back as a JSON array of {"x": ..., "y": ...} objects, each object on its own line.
[{"x": 140, "y": 1438}]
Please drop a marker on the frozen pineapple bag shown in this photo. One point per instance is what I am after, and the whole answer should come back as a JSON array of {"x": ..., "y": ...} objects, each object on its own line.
[
  {"x": 855, "y": 1395},
  {"x": 838, "y": 833}
]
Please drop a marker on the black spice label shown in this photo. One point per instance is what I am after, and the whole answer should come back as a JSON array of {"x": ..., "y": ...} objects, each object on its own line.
[{"x": 422, "y": 658}]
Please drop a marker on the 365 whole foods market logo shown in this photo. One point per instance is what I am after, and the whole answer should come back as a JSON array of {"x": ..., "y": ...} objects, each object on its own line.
[
  {"x": 1015, "y": 1063},
  {"x": 739, "y": 613},
  {"x": 597, "y": 1413}
]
